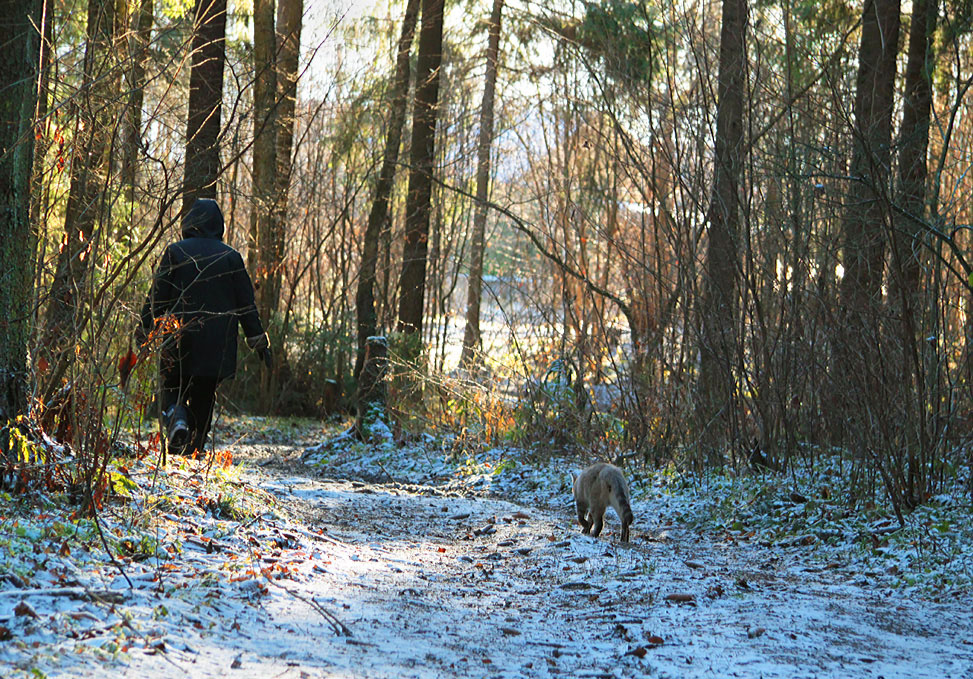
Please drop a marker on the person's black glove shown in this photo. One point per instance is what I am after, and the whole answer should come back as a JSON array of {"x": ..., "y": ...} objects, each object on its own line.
[
  {"x": 266, "y": 356},
  {"x": 261, "y": 344}
]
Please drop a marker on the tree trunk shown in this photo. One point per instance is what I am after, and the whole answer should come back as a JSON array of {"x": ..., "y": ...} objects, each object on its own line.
[
  {"x": 42, "y": 138},
  {"x": 132, "y": 128},
  {"x": 856, "y": 379},
  {"x": 378, "y": 217},
  {"x": 905, "y": 267},
  {"x": 866, "y": 216},
  {"x": 290, "y": 14},
  {"x": 261, "y": 248},
  {"x": 85, "y": 206},
  {"x": 205, "y": 102},
  {"x": 19, "y": 63},
  {"x": 472, "y": 342},
  {"x": 418, "y": 197},
  {"x": 914, "y": 142},
  {"x": 718, "y": 339}
]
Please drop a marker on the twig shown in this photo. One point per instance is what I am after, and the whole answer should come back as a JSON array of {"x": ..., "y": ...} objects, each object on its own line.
[
  {"x": 386, "y": 471},
  {"x": 339, "y": 627},
  {"x": 104, "y": 543},
  {"x": 105, "y": 596}
]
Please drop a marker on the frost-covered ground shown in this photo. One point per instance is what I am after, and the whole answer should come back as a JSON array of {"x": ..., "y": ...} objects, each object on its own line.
[{"x": 400, "y": 562}]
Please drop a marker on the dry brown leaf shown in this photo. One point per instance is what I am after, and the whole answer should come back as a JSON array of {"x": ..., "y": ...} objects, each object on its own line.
[
  {"x": 24, "y": 609},
  {"x": 681, "y": 598}
]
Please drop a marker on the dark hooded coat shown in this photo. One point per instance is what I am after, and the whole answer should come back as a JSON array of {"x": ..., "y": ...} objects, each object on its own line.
[{"x": 202, "y": 282}]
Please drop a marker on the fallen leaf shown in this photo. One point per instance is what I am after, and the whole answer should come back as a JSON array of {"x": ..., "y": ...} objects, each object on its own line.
[
  {"x": 681, "y": 598},
  {"x": 755, "y": 632},
  {"x": 576, "y": 585},
  {"x": 638, "y": 652},
  {"x": 24, "y": 609},
  {"x": 441, "y": 550},
  {"x": 695, "y": 565},
  {"x": 520, "y": 515},
  {"x": 654, "y": 640},
  {"x": 510, "y": 632}
]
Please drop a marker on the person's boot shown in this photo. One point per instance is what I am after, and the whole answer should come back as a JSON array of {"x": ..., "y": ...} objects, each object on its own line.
[{"x": 177, "y": 429}]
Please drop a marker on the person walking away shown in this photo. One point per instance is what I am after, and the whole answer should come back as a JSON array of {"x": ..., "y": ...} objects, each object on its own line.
[{"x": 200, "y": 292}]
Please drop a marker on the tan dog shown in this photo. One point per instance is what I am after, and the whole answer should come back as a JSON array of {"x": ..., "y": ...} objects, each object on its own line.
[{"x": 597, "y": 487}]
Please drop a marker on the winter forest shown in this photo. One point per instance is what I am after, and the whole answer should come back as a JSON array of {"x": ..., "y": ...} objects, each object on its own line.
[{"x": 723, "y": 245}]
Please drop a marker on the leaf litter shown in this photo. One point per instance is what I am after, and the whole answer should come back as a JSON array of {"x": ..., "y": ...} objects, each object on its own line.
[{"x": 402, "y": 561}]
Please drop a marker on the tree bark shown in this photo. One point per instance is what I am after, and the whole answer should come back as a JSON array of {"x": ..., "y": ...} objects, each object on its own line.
[
  {"x": 378, "y": 217},
  {"x": 290, "y": 15},
  {"x": 85, "y": 206},
  {"x": 19, "y": 63},
  {"x": 205, "y": 102},
  {"x": 261, "y": 248},
  {"x": 132, "y": 130},
  {"x": 865, "y": 222},
  {"x": 913, "y": 145},
  {"x": 472, "y": 342},
  {"x": 718, "y": 338},
  {"x": 419, "y": 195}
]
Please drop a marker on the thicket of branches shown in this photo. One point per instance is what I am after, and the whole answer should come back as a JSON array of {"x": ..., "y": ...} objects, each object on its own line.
[{"x": 715, "y": 233}]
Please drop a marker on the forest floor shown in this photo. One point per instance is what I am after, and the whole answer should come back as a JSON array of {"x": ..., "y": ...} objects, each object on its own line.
[{"x": 402, "y": 562}]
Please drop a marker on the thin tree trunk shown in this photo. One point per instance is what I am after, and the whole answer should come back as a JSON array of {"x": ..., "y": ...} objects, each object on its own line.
[
  {"x": 378, "y": 217},
  {"x": 205, "y": 102},
  {"x": 718, "y": 339},
  {"x": 865, "y": 225},
  {"x": 132, "y": 131},
  {"x": 19, "y": 63},
  {"x": 914, "y": 134},
  {"x": 290, "y": 16},
  {"x": 86, "y": 198},
  {"x": 472, "y": 342},
  {"x": 261, "y": 249},
  {"x": 43, "y": 95},
  {"x": 906, "y": 252},
  {"x": 866, "y": 215},
  {"x": 412, "y": 281}
]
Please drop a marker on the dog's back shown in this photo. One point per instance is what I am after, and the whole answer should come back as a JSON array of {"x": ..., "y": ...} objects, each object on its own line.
[{"x": 599, "y": 486}]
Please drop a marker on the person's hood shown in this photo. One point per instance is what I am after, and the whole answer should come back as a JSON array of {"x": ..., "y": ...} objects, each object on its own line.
[{"x": 204, "y": 220}]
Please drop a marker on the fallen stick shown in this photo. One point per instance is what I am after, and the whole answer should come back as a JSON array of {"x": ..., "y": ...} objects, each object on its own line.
[{"x": 104, "y": 596}]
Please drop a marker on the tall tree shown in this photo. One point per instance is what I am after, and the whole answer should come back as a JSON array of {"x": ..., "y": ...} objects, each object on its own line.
[
  {"x": 913, "y": 145},
  {"x": 19, "y": 62},
  {"x": 290, "y": 18},
  {"x": 205, "y": 102},
  {"x": 138, "y": 49},
  {"x": 86, "y": 205},
  {"x": 719, "y": 304},
  {"x": 261, "y": 249},
  {"x": 378, "y": 216},
  {"x": 865, "y": 221},
  {"x": 471, "y": 336},
  {"x": 425, "y": 113}
]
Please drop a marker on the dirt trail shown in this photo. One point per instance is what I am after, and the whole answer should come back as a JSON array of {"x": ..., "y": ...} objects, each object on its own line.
[
  {"x": 387, "y": 579},
  {"x": 434, "y": 584}
]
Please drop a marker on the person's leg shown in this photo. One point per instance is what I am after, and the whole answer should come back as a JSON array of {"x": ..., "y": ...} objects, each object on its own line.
[
  {"x": 174, "y": 420},
  {"x": 202, "y": 397}
]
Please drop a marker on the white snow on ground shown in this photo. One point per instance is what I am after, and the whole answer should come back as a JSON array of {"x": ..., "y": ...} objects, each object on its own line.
[{"x": 392, "y": 562}]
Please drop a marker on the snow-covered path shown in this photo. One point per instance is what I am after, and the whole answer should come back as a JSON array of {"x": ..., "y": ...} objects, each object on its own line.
[
  {"x": 386, "y": 579},
  {"x": 448, "y": 586}
]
